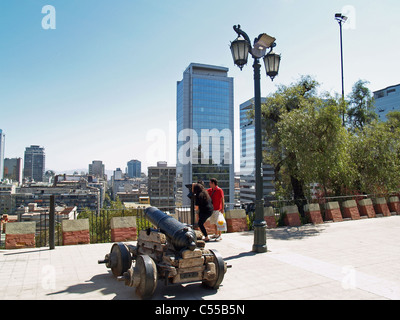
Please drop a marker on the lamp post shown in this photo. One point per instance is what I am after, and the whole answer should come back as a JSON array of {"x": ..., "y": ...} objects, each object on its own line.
[
  {"x": 240, "y": 49},
  {"x": 341, "y": 19}
]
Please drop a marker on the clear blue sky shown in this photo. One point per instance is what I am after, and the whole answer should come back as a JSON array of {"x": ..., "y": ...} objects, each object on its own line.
[{"x": 103, "y": 83}]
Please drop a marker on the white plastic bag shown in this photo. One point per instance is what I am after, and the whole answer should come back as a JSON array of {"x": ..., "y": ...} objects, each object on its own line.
[{"x": 221, "y": 222}]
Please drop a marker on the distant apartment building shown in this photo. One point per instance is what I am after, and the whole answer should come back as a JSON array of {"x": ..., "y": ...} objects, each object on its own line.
[
  {"x": 161, "y": 186},
  {"x": 133, "y": 196},
  {"x": 205, "y": 118},
  {"x": 97, "y": 169},
  {"x": 2, "y": 142},
  {"x": 127, "y": 189},
  {"x": 82, "y": 181},
  {"x": 40, "y": 215},
  {"x": 34, "y": 163},
  {"x": 134, "y": 168},
  {"x": 13, "y": 169},
  {"x": 247, "y": 158},
  {"x": 387, "y": 100},
  {"x": 69, "y": 193},
  {"x": 7, "y": 201},
  {"x": 117, "y": 174}
]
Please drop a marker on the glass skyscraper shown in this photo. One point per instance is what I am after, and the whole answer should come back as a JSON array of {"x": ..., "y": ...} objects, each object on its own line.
[
  {"x": 204, "y": 130},
  {"x": 34, "y": 163},
  {"x": 2, "y": 140},
  {"x": 247, "y": 158},
  {"x": 134, "y": 168}
]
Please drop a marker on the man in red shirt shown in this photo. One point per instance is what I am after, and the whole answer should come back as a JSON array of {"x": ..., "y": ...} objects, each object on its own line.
[{"x": 217, "y": 197}]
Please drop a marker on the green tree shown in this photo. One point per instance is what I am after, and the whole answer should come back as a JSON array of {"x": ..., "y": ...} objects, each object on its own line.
[
  {"x": 307, "y": 143},
  {"x": 376, "y": 152},
  {"x": 393, "y": 120},
  {"x": 278, "y": 107},
  {"x": 361, "y": 110},
  {"x": 316, "y": 136}
]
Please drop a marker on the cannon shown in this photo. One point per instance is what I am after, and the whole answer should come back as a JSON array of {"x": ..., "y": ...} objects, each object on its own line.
[{"x": 171, "y": 252}]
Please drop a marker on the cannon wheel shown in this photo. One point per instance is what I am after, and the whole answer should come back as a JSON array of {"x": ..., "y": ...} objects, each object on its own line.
[
  {"x": 121, "y": 259},
  {"x": 146, "y": 269},
  {"x": 220, "y": 270}
]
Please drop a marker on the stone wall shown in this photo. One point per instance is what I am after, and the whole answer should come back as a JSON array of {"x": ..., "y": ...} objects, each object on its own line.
[
  {"x": 123, "y": 229},
  {"x": 381, "y": 207},
  {"x": 269, "y": 217},
  {"x": 366, "y": 208},
  {"x": 332, "y": 212},
  {"x": 394, "y": 205},
  {"x": 350, "y": 210},
  {"x": 236, "y": 220},
  {"x": 313, "y": 213},
  {"x": 291, "y": 216},
  {"x": 20, "y": 235},
  {"x": 75, "y": 232}
]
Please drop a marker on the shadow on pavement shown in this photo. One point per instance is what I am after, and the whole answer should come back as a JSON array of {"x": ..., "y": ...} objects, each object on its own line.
[
  {"x": 241, "y": 255},
  {"x": 295, "y": 233},
  {"x": 107, "y": 284}
]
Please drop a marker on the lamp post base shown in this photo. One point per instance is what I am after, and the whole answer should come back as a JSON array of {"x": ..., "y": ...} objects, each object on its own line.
[{"x": 260, "y": 237}]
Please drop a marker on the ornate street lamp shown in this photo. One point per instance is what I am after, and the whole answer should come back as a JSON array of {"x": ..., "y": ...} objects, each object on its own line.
[
  {"x": 272, "y": 62},
  {"x": 240, "y": 49}
]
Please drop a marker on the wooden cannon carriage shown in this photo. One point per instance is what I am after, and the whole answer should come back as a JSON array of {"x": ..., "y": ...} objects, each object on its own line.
[{"x": 172, "y": 253}]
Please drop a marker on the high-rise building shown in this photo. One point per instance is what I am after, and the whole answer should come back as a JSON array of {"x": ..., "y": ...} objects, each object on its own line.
[
  {"x": 161, "y": 186},
  {"x": 134, "y": 168},
  {"x": 387, "y": 100},
  {"x": 96, "y": 168},
  {"x": 13, "y": 169},
  {"x": 34, "y": 163},
  {"x": 205, "y": 130},
  {"x": 2, "y": 141},
  {"x": 247, "y": 158}
]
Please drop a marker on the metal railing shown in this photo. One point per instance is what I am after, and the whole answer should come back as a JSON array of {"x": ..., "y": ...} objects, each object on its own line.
[{"x": 100, "y": 223}]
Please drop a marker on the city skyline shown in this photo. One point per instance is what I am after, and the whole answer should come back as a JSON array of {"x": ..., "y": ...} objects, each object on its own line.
[{"x": 102, "y": 84}]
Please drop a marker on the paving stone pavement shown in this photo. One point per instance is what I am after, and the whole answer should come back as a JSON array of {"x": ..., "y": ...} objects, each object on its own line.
[{"x": 350, "y": 260}]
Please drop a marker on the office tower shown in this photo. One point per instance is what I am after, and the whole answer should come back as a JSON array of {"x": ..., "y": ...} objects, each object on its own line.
[
  {"x": 134, "y": 169},
  {"x": 34, "y": 163},
  {"x": 118, "y": 175},
  {"x": 2, "y": 141},
  {"x": 247, "y": 158},
  {"x": 13, "y": 169},
  {"x": 161, "y": 186},
  {"x": 96, "y": 168},
  {"x": 387, "y": 100},
  {"x": 204, "y": 130}
]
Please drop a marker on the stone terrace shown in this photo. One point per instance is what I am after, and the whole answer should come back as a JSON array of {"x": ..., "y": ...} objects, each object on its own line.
[{"x": 353, "y": 259}]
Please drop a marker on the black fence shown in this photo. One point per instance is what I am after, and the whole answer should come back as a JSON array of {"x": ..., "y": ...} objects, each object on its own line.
[{"x": 100, "y": 223}]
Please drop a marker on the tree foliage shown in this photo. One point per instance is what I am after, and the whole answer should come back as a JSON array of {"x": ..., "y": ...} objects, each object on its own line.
[
  {"x": 307, "y": 142},
  {"x": 376, "y": 152},
  {"x": 361, "y": 110}
]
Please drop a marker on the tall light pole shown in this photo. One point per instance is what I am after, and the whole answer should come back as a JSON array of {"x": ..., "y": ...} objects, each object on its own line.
[
  {"x": 240, "y": 49},
  {"x": 341, "y": 19}
]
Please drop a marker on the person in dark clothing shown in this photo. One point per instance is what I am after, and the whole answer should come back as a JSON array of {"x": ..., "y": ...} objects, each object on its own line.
[{"x": 204, "y": 204}]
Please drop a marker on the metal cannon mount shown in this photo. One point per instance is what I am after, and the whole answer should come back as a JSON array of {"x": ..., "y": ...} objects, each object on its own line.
[{"x": 172, "y": 253}]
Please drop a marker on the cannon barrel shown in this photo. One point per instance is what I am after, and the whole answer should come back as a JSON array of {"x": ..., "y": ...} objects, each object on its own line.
[{"x": 180, "y": 235}]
